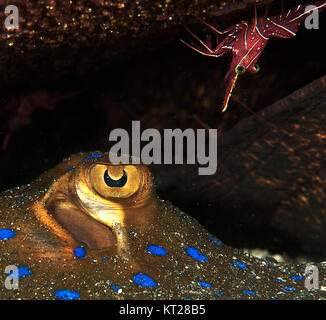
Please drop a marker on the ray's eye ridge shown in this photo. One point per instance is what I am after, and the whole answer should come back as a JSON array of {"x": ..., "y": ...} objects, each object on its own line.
[{"x": 115, "y": 183}]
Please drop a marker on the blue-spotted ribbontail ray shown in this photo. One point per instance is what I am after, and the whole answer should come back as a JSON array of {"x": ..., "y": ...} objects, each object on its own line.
[{"x": 88, "y": 229}]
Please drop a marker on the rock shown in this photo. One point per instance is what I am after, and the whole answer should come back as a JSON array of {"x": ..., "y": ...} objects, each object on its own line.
[
  {"x": 270, "y": 186},
  {"x": 71, "y": 38}
]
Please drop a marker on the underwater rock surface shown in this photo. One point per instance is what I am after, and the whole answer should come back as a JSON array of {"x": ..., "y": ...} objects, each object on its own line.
[
  {"x": 271, "y": 178},
  {"x": 70, "y": 37}
]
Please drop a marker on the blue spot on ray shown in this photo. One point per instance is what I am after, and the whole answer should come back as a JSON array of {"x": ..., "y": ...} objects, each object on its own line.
[
  {"x": 6, "y": 234},
  {"x": 156, "y": 250},
  {"x": 79, "y": 252},
  {"x": 299, "y": 277},
  {"x": 105, "y": 258},
  {"x": 144, "y": 280},
  {"x": 216, "y": 241},
  {"x": 205, "y": 284},
  {"x": 249, "y": 292},
  {"x": 70, "y": 168},
  {"x": 288, "y": 288},
  {"x": 67, "y": 294},
  {"x": 93, "y": 156},
  {"x": 23, "y": 271},
  {"x": 239, "y": 264},
  {"x": 115, "y": 288},
  {"x": 194, "y": 253}
]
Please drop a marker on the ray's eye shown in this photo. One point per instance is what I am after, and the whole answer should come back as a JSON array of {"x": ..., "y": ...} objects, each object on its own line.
[
  {"x": 115, "y": 183},
  {"x": 240, "y": 69}
]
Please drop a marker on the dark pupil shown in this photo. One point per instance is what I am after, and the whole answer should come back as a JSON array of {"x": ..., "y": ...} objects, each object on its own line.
[
  {"x": 115, "y": 183},
  {"x": 240, "y": 69}
]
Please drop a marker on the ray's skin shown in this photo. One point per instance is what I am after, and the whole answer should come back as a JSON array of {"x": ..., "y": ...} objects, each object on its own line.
[{"x": 88, "y": 229}]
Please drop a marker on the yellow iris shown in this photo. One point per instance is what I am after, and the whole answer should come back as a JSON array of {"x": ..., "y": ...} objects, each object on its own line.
[{"x": 97, "y": 182}]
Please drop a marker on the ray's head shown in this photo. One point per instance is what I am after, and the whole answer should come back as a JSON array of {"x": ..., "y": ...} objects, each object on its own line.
[{"x": 95, "y": 202}]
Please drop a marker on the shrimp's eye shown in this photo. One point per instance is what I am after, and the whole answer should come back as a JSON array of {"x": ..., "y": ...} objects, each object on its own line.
[
  {"x": 240, "y": 69},
  {"x": 256, "y": 67},
  {"x": 114, "y": 181}
]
